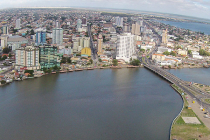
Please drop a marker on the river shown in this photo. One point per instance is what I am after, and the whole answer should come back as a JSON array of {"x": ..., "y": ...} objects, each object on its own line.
[
  {"x": 110, "y": 104},
  {"x": 199, "y": 27}
]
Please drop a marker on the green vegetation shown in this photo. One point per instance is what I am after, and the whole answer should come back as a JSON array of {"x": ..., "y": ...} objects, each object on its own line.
[
  {"x": 142, "y": 50},
  {"x": 3, "y": 58},
  {"x": 169, "y": 53},
  {"x": 3, "y": 82},
  {"x": 181, "y": 130},
  {"x": 99, "y": 60},
  {"x": 115, "y": 62},
  {"x": 207, "y": 100},
  {"x": 204, "y": 53},
  {"x": 91, "y": 61},
  {"x": 66, "y": 60},
  {"x": 135, "y": 62},
  {"x": 6, "y": 50},
  {"x": 189, "y": 52}
]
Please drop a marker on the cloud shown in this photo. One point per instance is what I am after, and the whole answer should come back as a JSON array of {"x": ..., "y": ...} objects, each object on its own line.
[{"x": 199, "y": 8}]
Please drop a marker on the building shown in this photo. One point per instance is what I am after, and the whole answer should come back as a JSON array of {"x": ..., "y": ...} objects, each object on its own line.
[
  {"x": 5, "y": 30},
  {"x": 158, "y": 57},
  {"x": 4, "y": 40},
  {"x": 17, "y": 25},
  {"x": 125, "y": 47},
  {"x": 87, "y": 42},
  {"x": 135, "y": 29},
  {"x": 79, "y": 24},
  {"x": 86, "y": 52},
  {"x": 57, "y": 36},
  {"x": 40, "y": 36},
  {"x": 84, "y": 21},
  {"x": 48, "y": 57},
  {"x": 15, "y": 42},
  {"x": 165, "y": 37},
  {"x": 119, "y": 21},
  {"x": 27, "y": 57},
  {"x": 100, "y": 43}
]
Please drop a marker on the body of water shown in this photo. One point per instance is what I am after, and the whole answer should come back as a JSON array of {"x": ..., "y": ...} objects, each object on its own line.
[
  {"x": 198, "y": 75},
  {"x": 199, "y": 27},
  {"x": 122, "y": 104}
]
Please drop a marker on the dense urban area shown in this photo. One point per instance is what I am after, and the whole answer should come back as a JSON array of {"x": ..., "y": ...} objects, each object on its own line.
[{"x": 37, "y": 42}]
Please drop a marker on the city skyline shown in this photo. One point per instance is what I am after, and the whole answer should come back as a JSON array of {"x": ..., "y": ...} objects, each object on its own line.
[{"x": 195, "y": 8}]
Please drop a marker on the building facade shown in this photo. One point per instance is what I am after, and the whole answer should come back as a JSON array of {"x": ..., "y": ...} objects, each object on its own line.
[
  {"x": 27, "y": 57},
  {"x": 57, "y": 36},
  {"x": 125, "y": 47},
  {"x": 40, "y": 37},
  {"x": 48, "y": 57},
  {"x": 135, "y": 29},
  {"x": 17, "y": 24},
  {"x": 119, "y": 21},
  {"x": 165, "y": 36}
]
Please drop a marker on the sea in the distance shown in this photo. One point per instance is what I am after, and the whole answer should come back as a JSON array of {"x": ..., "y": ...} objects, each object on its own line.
[
  {"x": 198, "y": 27},
  {"x": 110, "y": 104}
]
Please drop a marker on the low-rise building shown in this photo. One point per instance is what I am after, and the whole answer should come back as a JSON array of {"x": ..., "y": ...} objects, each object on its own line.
[{"x": 158, "y": 57}]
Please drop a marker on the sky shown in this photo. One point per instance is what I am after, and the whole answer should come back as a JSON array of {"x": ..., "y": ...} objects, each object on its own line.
[{"x": 195, "y": 8}]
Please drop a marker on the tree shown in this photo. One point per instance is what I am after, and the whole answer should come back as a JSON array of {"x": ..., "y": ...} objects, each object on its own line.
[
  {"x": 99, "y": 60},
  {"x": 135, "y": 62},
  {"x": 166, "y": 53},
  {"x": 31, "y": 72},
  {"x": 189, "y": 52},
  {"x": 91, "y": 61},
  {"x": 4, "y": 57},
  {"x": 32, "y": 32},
  {"x": 3, "y": 82},
  {"x": 6, "y": 50},
  {"x": 68, "y": 60},
  {"x": 173, "y": 53},
  {"x": 10, "y": 55},
  {"x": 115, "y": 62}
]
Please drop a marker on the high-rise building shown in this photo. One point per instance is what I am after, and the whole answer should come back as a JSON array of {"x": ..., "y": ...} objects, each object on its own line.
[
  {"x": 5, "y": 30},
  {"x": 17, "y": 25},
  {"x": 87, "y": 42},
  {"x": 135, "y": 29},
  {"x": 48, "y": 57},
  {"x": 27, "y": 57},
  {"x": 119, "y": 21},
  {"x": 100, "y": 43},
  {"x": 57, "y": 36},
  {"x": 126, "y": 28},
  {"x": 57, "y": 24},
  {"x": 165, "y": 37},
  {"x": 4, "y": 40},
  {"x": 79, "y": 24},
  {"x": 40, "y": 36},
  {"x": 84, "y": 21},
  {"x": 125, "y": 47}
]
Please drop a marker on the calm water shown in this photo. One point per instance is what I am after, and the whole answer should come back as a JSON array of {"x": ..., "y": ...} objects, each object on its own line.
[
  {"x": 199, "y": 27},
  {"x": 124, "y": 104},
  {"x": 198, "y": 75}
]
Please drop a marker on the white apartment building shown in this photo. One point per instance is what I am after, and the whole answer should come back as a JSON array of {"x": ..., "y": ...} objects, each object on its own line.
[
  {"x": 17, "y": 24},
  {"x": 125, "y": 47},
  {"x": 57, "y": 36},
  {"x": 119, "y": 21},
  {"x": 27, "y": 57}
]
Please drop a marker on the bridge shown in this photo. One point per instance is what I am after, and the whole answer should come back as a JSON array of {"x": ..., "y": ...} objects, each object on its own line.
[{"x": 191, "y": 90}]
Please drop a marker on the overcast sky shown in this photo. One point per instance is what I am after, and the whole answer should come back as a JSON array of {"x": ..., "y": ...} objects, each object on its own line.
[{"x": 198, "y": 8}]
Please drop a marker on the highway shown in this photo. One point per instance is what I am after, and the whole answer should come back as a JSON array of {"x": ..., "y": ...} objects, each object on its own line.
[{"x": 93, "y": 50}]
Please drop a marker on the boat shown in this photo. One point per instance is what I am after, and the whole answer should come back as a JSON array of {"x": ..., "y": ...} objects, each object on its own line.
[
  {"x": 78, "y": 69},
  {"x": 90, "y": 68},
  {"x": 54, "y": 72},
  {"x": 63, "y": 71},
  {"x": 70, "y": 70}
]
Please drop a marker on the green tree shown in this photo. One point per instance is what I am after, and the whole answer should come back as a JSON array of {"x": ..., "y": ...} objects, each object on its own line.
[
  {"x": 6, "y": 50},
  {"x": 99, "y": 60},
  {"x": 91, "y": 61},
  {"x": 189, "y": 52},
  {"x": 68, "y": 60},
  {"x": 135, "y": 62},
  {"x": 32, "y": 32},
  {"x": 166, "y": 53},
  {"x": 4, "y": 57},
  {"x": 31, "y": 72},
  {"x": 173, "y": 53},
  {"x": 115, "y": 62},
  {"x": 10, "y": 55},
  {"x": 3, "y": 82}
]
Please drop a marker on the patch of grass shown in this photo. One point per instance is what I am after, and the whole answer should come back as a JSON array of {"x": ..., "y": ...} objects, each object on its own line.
[
  {"x": 181, "y": 130},
  {"x": 207, "y": 100}
]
